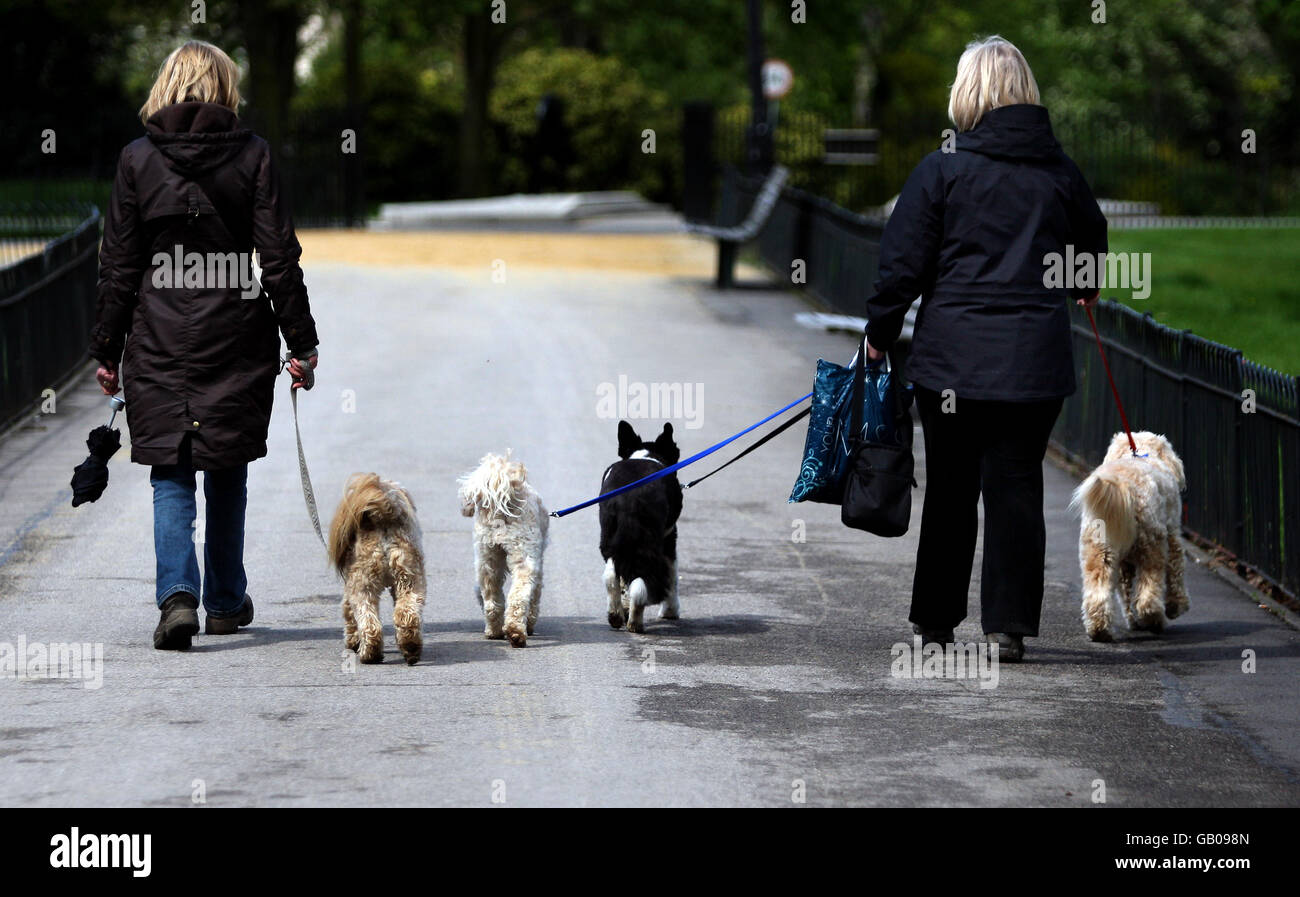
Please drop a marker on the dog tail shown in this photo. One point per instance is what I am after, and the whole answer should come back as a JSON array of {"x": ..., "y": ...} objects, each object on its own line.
[
  {"x": 1107, "y": 498},
  {"x": 368, "y": 504}
]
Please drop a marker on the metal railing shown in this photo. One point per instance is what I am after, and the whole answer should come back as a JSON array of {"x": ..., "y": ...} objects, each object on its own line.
[
  {"x": 1155, "y": 161},
  {"x": 1235, "y": 423},
  {"x": 840, "y": 249},
  {"x": 49, "y": 259}
]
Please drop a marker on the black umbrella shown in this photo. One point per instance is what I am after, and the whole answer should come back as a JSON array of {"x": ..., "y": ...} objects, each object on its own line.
[{"x": 90, "y": 477}]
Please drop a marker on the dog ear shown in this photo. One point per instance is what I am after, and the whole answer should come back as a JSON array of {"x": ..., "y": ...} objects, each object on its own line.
[
  {"x": 518, "y": 474},
  {"x": 1170, "y": 457},
  {"x": 468, "y": 501},
  {"x": 628, "y": 441},
  {"x": 665, "y": 447}
]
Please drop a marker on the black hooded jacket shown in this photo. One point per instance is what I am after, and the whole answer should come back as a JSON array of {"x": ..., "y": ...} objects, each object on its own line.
[
  {"x": 199, "y": 354},
  {"x": 970, "y": 235}
]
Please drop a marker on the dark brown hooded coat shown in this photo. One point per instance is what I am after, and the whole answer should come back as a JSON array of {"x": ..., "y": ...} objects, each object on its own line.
[{"x": 198, "y": 352}]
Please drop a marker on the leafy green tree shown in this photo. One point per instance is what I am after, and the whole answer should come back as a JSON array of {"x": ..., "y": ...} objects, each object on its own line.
[{"x": 607, "y": 110}]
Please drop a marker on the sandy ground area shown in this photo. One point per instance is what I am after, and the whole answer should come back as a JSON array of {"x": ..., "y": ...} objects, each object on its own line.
[{"x": 673, "y": 255}]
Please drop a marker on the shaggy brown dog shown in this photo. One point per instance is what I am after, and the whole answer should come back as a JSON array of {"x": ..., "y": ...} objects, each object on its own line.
[
  {"x": 375, "y": 545},
  {"x": 1129, "y": 536}
]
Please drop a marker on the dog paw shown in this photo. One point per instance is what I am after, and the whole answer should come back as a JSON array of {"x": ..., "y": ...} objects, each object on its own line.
[
  {"x": 1101, "y": 635},
  {"x": 531, "y": 627},
  {"x": 352, "y": 643},
  {"x": 412, "y": 655},
  {"x": 635, "y": 626},
  {"x": 374, "y": 654},
  {"x": 518, "y": 639},
  {"x": 616, "y": 621},
  {"x": 1153, "y": 625},
  {"x": 668, "y": 613},
  {"x": 1175, "y": 610}
]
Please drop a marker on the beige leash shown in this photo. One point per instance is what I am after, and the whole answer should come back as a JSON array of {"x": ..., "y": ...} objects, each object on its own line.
[{"x": 308, "y": 495}]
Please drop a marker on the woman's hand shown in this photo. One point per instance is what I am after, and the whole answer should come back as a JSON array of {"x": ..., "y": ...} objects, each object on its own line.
[
  {"x": 873, "y": 354},
  {"x": 298, "y": 368},
  {"x": 1091, "y": 301},
  {"x": 107, "y": 377}
]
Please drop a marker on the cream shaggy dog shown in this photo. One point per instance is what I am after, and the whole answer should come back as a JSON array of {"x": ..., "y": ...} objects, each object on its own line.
[
  {"x": 1129, "y": 536},
  {"x": 374, "y": 544},
  {"x": 510, "y": 524}
]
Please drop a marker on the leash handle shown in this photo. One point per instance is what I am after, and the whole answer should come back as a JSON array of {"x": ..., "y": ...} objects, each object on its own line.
[
  {"x": 1113, "y": 389},
  {"x": 308, "y": 379}
]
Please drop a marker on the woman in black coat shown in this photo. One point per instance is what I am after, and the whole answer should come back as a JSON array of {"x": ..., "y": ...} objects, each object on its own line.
[
  {"x": 195, "y": 334},
  {"x": 971, "y": 234}
]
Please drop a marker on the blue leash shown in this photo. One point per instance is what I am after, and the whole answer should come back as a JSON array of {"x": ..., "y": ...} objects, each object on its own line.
[{"x": 678, "y": 466}]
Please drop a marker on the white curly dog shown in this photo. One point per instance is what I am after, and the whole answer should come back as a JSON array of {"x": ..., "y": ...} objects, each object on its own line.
[
  {"x": 510, "y": 524},
  {"x": 1129, "y": 536}
]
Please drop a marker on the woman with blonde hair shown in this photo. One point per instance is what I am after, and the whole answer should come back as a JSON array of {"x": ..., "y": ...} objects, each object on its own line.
[
  {"x": 194, "y": 333},
  {"x": 991, "y": 358}
]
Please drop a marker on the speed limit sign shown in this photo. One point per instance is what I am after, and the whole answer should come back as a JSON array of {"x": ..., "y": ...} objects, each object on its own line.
[{"x": 778, "y": 78}]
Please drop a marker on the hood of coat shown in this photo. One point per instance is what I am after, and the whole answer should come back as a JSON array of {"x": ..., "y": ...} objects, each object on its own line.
[
  {"x": 196, "y": 137},
  {"x": 1019, "y": 132}
]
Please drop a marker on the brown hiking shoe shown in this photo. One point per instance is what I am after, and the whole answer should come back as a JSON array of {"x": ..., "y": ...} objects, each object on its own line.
[
  {"x": 1011, "y": 648},
  {"x": 933, "y": 636},
  {"x": 230, "y": 625},
  {"x": 178, "y": 624}
]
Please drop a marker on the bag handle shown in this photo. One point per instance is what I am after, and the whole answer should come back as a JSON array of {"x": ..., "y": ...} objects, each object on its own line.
[{"x": 859, "y": 385}]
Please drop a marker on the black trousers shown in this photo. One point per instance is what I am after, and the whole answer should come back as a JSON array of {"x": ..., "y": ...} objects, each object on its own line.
[{"x": 994, "y": 448}]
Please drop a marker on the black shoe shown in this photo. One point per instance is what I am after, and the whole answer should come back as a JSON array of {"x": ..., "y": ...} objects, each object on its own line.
[
  {"x": 178, "y": 624},
  {"x": 941, "y": 636},
  {"x": 230, "y": 625},
  {"x": 1011, "y": 648}
]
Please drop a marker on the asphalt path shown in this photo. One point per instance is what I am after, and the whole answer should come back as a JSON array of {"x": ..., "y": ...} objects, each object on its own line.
[{"x": 774, "y": 688}]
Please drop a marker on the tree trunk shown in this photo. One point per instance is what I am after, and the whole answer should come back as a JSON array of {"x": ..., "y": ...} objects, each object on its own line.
[
  {"x": 352, "y": 176},
  {"x": 480, "y": 50},
  {"x": 271, "y": 37}
]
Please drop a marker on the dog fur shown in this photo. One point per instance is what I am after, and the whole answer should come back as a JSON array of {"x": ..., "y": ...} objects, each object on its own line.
[
  {"x": 510, "y": 526},
  {"x": 1129, "y": 537},
  {"x": 638, "y": 530},
  {"x": 374, "y": 544}
]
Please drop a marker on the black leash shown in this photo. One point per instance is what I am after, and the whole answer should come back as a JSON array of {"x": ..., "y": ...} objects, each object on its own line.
[{"x": 777, "y": 432}]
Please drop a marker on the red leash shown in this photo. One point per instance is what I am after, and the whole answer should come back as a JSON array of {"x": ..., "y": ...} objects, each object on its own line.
[{"x": 1114, "y": 391}]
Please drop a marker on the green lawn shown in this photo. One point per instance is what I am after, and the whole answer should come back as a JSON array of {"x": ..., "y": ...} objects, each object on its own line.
[{"x": 1235, "y": 286}]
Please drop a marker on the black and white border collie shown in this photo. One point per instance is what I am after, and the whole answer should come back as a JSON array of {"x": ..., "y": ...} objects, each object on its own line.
[{"x": 638, "y": 529}]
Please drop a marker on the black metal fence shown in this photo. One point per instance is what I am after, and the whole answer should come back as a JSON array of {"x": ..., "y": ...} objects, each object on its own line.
[
  {"x": 49, "y": 259},
  {"x": 840, "y": 249},
  {"x": 1235, "y": 423},
  {"x": 1146, "y": 162}
]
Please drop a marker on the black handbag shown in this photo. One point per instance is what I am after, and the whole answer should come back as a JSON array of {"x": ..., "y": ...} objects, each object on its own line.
[{"x": 880, "y": 477}]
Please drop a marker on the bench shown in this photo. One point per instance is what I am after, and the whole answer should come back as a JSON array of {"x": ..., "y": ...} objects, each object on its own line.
[{"x": 730, "y": 238}]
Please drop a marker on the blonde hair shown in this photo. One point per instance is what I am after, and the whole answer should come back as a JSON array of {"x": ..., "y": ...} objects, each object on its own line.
[
  {"x": 196, "y": 71},
  {"x": 991, "y": 73}
]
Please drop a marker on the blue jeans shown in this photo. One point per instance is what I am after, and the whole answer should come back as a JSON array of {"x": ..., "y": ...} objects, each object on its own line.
[{"x": 175, "y": 535}]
